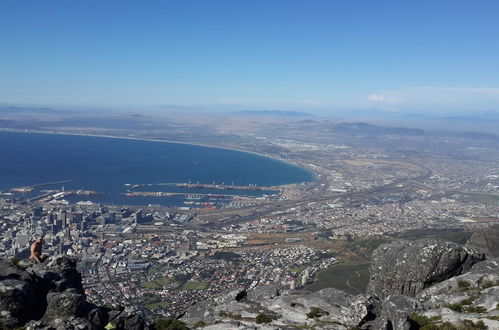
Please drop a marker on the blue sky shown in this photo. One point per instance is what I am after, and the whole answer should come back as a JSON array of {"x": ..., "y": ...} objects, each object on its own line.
[{"x": 316, "y": 56}]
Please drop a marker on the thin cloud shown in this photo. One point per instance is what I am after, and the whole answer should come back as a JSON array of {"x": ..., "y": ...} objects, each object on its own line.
[
  {"x": 429, "y": 97},
  {"x": 376, "y": 98}
]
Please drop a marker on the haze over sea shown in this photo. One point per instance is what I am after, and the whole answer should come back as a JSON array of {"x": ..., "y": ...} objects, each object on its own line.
[{"x": 107, "y": 164}]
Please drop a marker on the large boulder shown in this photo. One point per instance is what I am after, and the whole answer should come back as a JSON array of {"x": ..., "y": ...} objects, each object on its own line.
[
  {"x": 396, "y": 311},
  {"x": 59, "y": 272},
  {"x": 65, "y": 304},
  {"x": 408, "y": 267},
  {"x": 20, "y": 297},
  {"x": 127, "y": 318},
  {"x": 50, "y": 295},
  {"x": 481, "y": 284}
]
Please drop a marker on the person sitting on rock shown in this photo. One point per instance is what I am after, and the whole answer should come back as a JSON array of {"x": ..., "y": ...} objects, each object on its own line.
[{"x": 36, "y": 250}]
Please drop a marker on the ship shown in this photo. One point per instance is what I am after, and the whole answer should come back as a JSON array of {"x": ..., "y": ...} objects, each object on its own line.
[{"x": 194, "y": 197}]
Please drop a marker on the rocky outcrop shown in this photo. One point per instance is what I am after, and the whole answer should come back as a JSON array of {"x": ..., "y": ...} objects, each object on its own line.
[
  {"x": 427, "y": 282},
  {"x": 50, "y": 295},
  {"x": 412, "y": 284},
  {"x": 408, "y": 267},
  {"x": 20, "y": 297}
]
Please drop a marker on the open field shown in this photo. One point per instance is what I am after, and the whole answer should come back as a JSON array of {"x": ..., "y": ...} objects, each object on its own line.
[
  {"x": 482, "y": 198},
  {"x": 374, "y": 162},
  {"x": 456, "y": 236},
  {"x": 158, "y": 305},
  {"x": 158, "y": 283},
  {"x": 193, "y": 285}
]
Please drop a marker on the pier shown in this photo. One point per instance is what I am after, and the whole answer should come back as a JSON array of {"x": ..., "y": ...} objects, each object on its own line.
[
  {"x": 171, "y": 194},
  {"x": 222, "y": 186}
]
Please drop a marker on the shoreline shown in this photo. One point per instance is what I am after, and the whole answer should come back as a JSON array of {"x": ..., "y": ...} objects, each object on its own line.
[{"x": 32, "y": 131}]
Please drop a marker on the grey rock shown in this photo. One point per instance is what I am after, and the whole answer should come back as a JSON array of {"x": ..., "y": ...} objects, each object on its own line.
[
  {"x": 293, "y": 307},
  {"x": 228, "y": 326},
  {"x": 489, "y": 266},
  {"x": 488, "y": 299},
  {"x": 396, "y": 310},
  {"x": 363, "y": 312},
  {"x": 289, "y": 309},
  {"x": 408, "y": 267},
  {"x": 65, "y": 304},
  {"x": 127, "y": 319},
  {"x": 62, "y": 323},
  {"x": 482, "y": 275},
  {"x": 60, "y": 271},
  {"x": 264, "y": 292},
  {"x": 50, "y": 295},
  {"x": 419, "y": 269},
  {"x": 230, "y": 295},
  {"x": 18, "y": 296},
  {"x": 98, "y": 316}
]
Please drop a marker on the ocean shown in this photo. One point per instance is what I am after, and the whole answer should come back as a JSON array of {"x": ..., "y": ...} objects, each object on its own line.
[{"x": 107, "y": 165}]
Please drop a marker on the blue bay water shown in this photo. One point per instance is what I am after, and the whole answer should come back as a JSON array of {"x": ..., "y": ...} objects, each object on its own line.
[{"x": 107, "y": 164}]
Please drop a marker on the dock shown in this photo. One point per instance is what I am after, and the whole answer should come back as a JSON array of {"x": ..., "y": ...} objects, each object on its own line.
[{"x": 206, "y": 186}]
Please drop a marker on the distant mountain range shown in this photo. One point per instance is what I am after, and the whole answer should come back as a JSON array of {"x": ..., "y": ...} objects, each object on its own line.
[
  {"x": 368, "y": 129},
  {"x": 13, "y": 110},
  {"x": 273, "y": 113},
  {"x": 383, "y": 114}
]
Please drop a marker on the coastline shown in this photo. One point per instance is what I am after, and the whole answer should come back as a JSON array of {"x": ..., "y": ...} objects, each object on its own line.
[{"x": 33, "y": 131}]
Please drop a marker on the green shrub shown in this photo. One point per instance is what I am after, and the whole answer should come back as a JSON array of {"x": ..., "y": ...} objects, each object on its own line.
[
  {"x": 169, "y": 324},
  {"x": 457, "y": 307},
  {"x": 422, "y": 322},
  {"x": 488, "y": 284},
  {"x": 15, "y": 261},
  {"x": 470, "y": 325},
  {"x": 475, "y": 309},
  {"x": 463, "y": 284},
  {"x": 224, "y": 314},
  {"x": 463, "y": 307},
  {"x": 199, "y": 324},
  {"x": 263, "y": 318},
  {"x": 468, "y": 301},
  {"x": 316, "y": 312}
]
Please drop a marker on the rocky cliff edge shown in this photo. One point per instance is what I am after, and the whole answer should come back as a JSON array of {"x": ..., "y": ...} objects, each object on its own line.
[{"x": 425, "y": 284}]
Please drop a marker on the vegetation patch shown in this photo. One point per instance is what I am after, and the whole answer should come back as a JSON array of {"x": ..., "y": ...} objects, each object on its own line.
[
  {"x": 470, "y": 325},
  {"x": 422, "y": 322},
  {"x": 158, "y": 283},
  {"x": 465, "y": 306},
  {"x": 193, "y": 285},
  {"x": 199, "y": 324},
  {"x": 263, "y": 318},
  {"x": 225, "y": 314},
  {"x": 488, "y": 284},
  {"x": 452, "y": 235},
  {"x": 169, "y": 324},
  {"x": 487, "y": 199},
  {"x": 158, "y": 305},
  {"x": 298, "y": 269},
  {"x": 316, "y": 312},
  {"x": 463, "y": 285}
]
